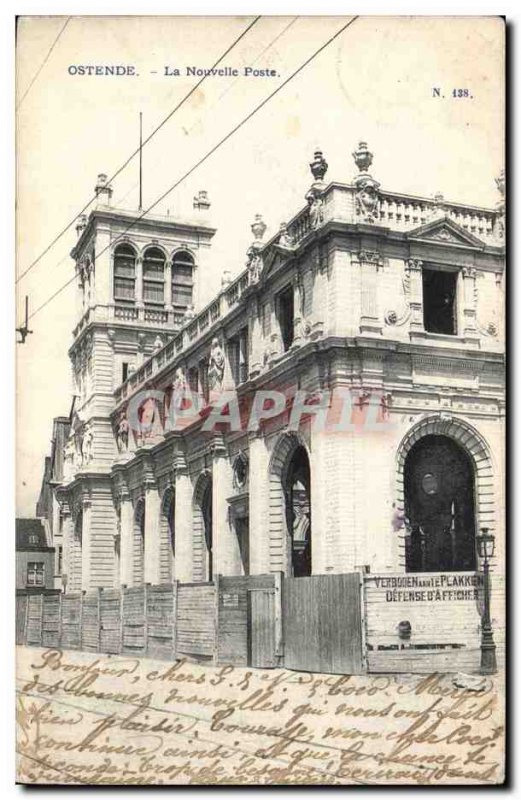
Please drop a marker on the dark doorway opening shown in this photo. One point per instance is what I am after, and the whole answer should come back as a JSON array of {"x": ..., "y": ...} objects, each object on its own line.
[
  {"x": 298, "y": 513},
  {"x": 439, "y": 301},
  {"x": 286, "y": 315},
  {"x": 440, "y": 507}
]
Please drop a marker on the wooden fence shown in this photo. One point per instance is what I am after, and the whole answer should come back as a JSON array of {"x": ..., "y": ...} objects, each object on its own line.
[
  {"x": 158, "y": 621},
  {"x": 421, "y": 622}
]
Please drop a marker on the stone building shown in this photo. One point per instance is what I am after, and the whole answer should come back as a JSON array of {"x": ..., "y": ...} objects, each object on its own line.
[{"x": 377, "y": 317}]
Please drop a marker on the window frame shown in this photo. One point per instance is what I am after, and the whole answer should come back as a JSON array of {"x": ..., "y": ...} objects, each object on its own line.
[
  {"x": 183, "y": 259},
  {"x": 126, "y": 279},
  {"x": 156, "y": 278},
  {"x": 33, "y": 568}
]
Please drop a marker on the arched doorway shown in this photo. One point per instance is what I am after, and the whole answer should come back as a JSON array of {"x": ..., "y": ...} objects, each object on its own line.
[
  {"x": 202, "y": 529},
  {"x": 439, "y": 498},
  {"x": 138, "y": 571},
  {"x": 297, "y": 496},
  {"x": 167, "y": 534}
]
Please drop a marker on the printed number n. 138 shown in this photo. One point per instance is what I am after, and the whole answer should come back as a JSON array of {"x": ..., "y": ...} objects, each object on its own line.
[{"x": 461, "y": 93}]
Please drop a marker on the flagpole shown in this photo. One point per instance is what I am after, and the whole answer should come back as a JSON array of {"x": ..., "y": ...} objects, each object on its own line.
[{"x": 140, "y": 160}]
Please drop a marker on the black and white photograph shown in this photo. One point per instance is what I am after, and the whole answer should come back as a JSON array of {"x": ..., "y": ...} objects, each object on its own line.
[{"x": 260, "y": 365}]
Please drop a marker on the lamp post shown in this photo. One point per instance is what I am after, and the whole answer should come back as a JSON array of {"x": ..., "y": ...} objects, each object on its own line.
[{"x": 486, "y": 544}]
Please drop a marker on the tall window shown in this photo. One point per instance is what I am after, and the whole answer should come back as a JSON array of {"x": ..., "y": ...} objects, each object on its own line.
[
  {"x": 124, "y": 273},
  {"x": 182, "y": 279},
  {"x": 153, "y": 276},
  {"x": 35, "y": 573},
  {"x": 439, "y": 301},
  {"x": 238, "y": 356},
  {"x": 286, "y": 314}
]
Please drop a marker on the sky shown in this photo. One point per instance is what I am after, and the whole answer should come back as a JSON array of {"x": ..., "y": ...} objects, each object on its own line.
[{"x": 373, "y": 83}]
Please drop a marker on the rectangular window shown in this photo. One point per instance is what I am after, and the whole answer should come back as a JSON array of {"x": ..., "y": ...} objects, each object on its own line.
[
  {"x": 153, "y": 291},
  {"x": 285, "y": 313},
  {"x": 182, "y": 285},
  {"x": 35, "y": 573},
  {"x": 124, "y": 371},
  {"x": 238, "y": 356},
  {"x": 439, "y": 301},
  {"x": 124, "y": 278},
  {"x": 59, "y": 560}
]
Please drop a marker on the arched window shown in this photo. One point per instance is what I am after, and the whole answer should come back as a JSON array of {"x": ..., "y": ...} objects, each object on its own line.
[
  {"x": 124, "y": 273},
  {"x": 153, "y": 275},
  {"x": 182, "y": 279},
  {"x": 202, "y": 529},
  {"x": 439, "y": 506}
]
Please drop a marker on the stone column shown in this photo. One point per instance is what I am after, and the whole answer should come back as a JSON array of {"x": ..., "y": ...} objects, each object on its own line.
[
  {"x": 86, "y": 565},
  {"x": 413, "y": 268},
  {"x": 126, "y": 554},
  {"x": 168, "y": 285},
  {"x": 370, "y": 262},
  {"x": 183, "y": 566},
  {"x": 256, "y": 340},
  {"x": 226, "y": 554},
  {"x": 139, "y": 283},
  {"x": 469, "y": 303},
  {"x": 152, "y": 535},
  {"x": 68, "y": 534},
  {"x": 259, "y": 505}
]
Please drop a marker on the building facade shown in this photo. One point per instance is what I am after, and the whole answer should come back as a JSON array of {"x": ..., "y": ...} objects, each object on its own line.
[
  {"x": 34, "y": 556},
  {"x": 346, "y": 391}
]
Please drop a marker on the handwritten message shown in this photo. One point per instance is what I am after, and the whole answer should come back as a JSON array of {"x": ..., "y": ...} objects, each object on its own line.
[{"x": 89, "y": 719}]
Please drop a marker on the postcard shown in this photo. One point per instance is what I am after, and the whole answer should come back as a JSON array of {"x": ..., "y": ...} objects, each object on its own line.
[{"x": 260, "y": 534}]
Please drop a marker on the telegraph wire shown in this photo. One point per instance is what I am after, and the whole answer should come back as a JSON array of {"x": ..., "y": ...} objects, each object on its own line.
[
  {"x": 43, "y": 63},
  {"x": 228, "y": 88},
  {"x": 207, "y": 155},
  {"x": 135, "y": 152}
]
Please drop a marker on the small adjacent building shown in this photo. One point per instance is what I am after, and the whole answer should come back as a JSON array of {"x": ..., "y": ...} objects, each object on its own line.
[{"x": 34, "y": 556}]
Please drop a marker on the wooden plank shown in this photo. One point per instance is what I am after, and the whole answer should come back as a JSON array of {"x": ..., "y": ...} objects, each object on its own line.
[{"x": 322, "y": 624}]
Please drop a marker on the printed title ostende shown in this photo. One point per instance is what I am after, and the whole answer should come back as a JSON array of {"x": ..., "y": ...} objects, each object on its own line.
[{"x": 125, "y": 70}]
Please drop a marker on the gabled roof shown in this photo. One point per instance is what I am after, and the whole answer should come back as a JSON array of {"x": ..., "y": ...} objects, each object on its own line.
[
  {"x": 445, "y": 231},
  {"x": 30, "y": 534}
]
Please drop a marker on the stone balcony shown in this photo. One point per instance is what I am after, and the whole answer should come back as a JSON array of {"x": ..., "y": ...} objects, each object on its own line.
[
  {"x": 169, "y": 319},
  {"x": 399, "y": 212}
]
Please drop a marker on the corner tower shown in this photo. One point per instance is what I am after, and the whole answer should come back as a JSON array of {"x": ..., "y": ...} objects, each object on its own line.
[{"x": 137, "y": 281}]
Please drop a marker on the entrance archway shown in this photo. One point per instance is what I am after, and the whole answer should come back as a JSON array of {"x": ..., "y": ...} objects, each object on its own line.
[
  {"x": 202, "y": 529},
  {"x": 439, "y": 493},
  {"x": 297, "y": 497},
  {"x": 290, "y": 508}
]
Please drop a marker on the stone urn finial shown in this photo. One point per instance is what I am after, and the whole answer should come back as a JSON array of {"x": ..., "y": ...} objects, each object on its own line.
[
  {"x": 81, "y": 224},
  {"x": 258, "y": 227},
  {"x": 363, "y": 157},
  {"x": 318, "y": 166}
]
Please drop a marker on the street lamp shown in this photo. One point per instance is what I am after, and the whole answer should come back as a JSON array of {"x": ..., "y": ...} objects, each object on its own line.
[{"x": 486, "y": 544}]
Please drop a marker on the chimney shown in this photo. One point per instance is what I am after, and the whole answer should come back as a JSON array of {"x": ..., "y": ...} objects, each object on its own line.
[
  {"x": 201, "y": 202},
  {"x": 103, "y": 190}
]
